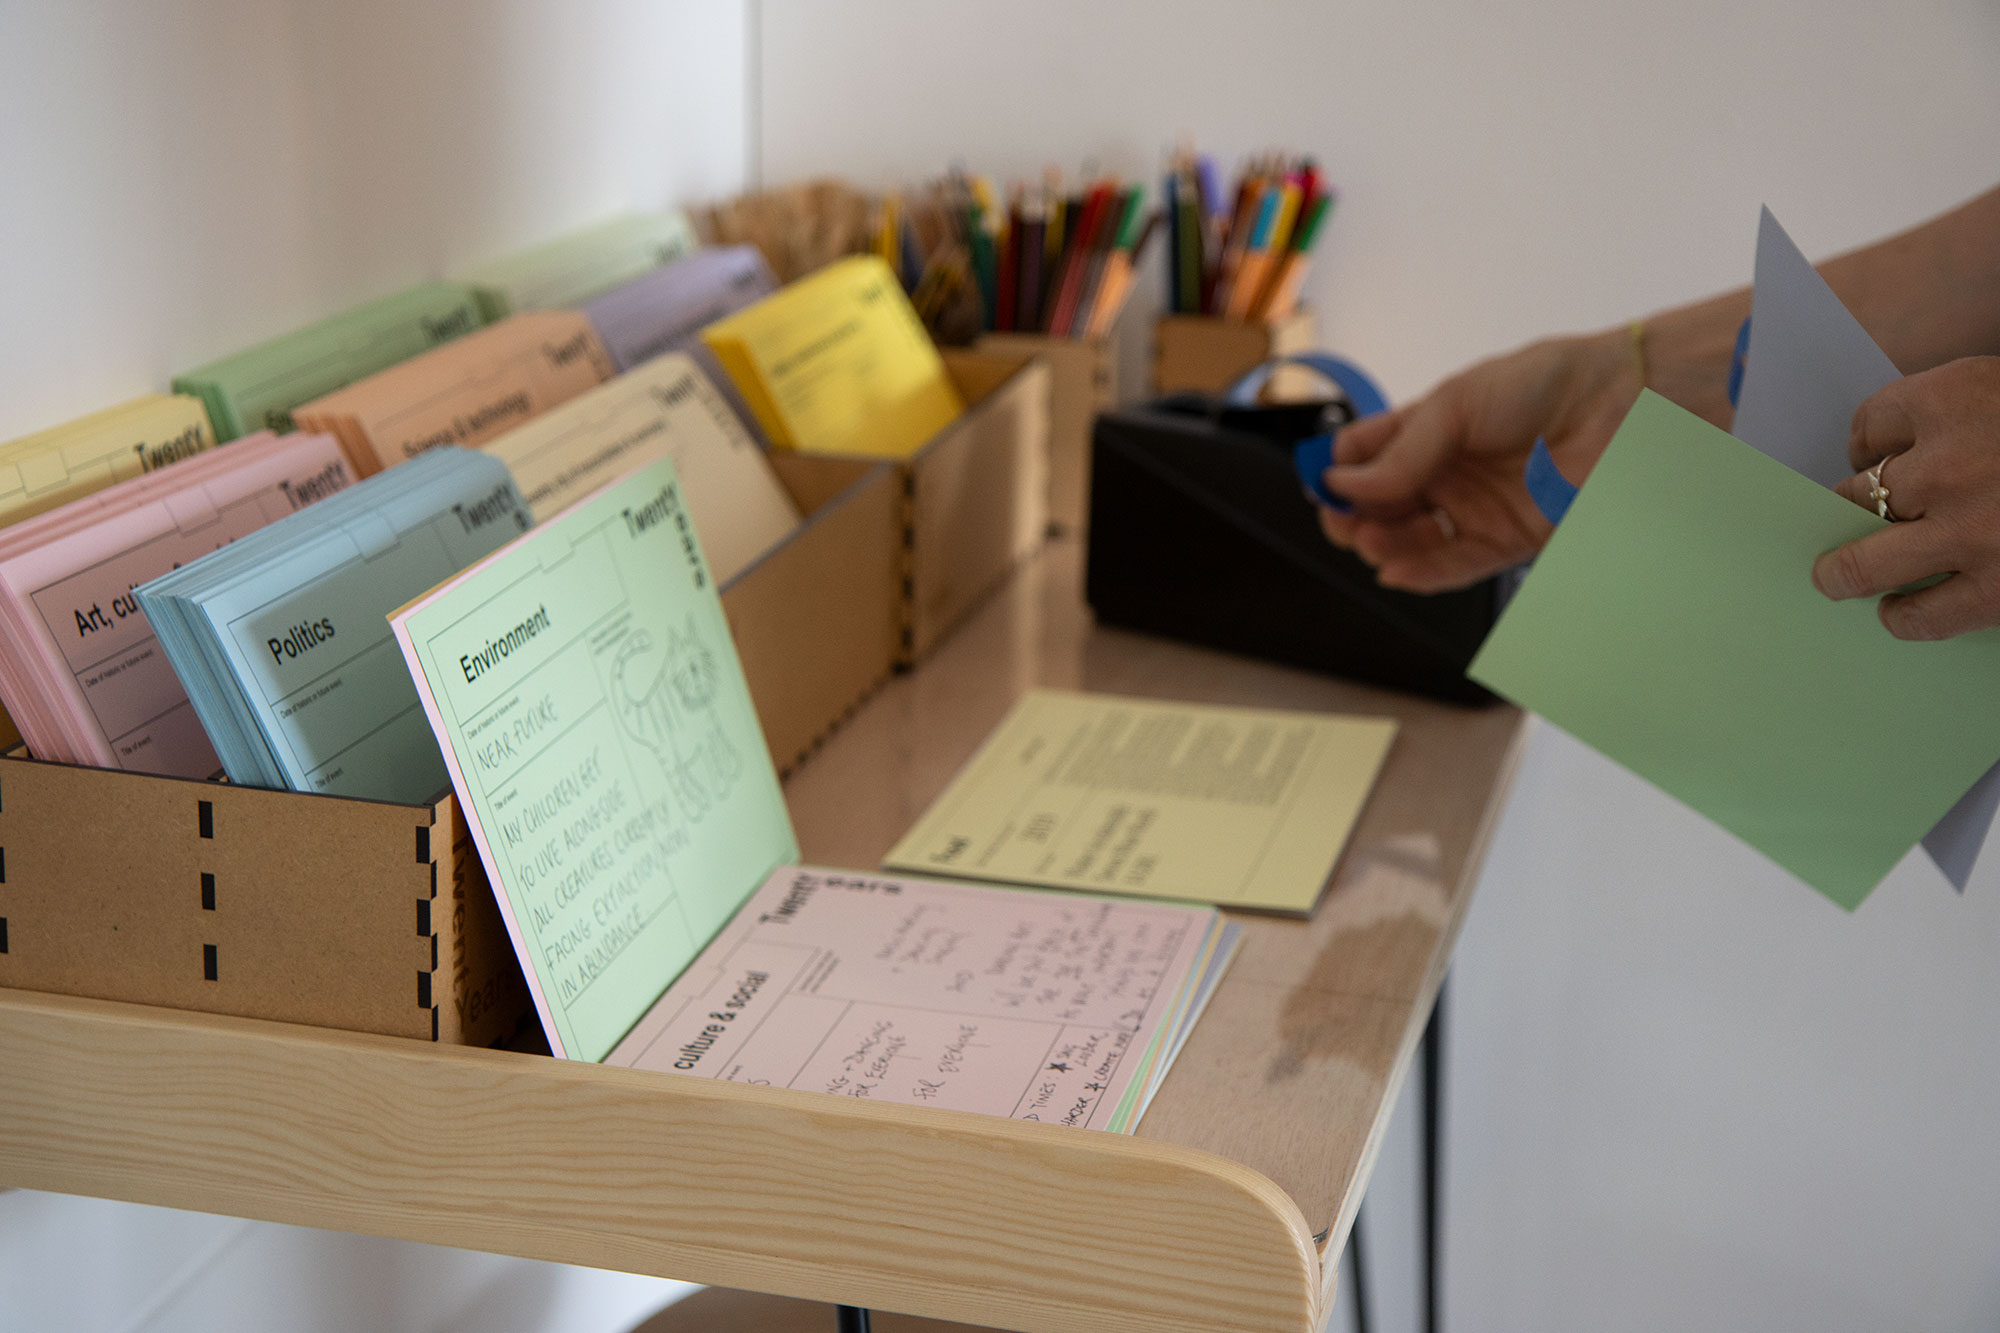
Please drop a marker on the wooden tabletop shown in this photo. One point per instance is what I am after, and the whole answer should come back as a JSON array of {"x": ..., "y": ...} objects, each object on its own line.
[
  {"x": 1225, "y": 1211},
  {"x": 1294, "y": 1067}
]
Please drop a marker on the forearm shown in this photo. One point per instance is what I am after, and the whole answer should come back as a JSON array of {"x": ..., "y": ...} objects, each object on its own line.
[
  {"x": 1688, "y": 351},
  {"x": 1931, "y": 294},
  {"x": 1928, "y": 295}
]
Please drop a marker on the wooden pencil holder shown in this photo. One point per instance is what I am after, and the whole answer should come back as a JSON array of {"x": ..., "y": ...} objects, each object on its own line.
[{"x": 1206, "y": 354}]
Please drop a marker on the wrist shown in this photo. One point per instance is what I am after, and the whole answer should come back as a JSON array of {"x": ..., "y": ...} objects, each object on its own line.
[{"x": 1688, "y": 351}]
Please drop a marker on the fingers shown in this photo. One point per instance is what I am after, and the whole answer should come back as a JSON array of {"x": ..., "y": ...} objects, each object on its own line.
[
  {"x": 1881, "y": 562},
  {"x": 1385, "y": 544},
  {"x": 1958, "y": 605},
  {"x": 1881, "y": 426},
  {"x": 1340, "y": 529},
  {"x": 1413, "y": 562},
  {"x": 1359, "y": 441},
  {"x": 1418, "y": 443}
]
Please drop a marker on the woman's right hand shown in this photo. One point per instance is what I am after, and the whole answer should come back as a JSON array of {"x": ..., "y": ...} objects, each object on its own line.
[{"x": 1439, "y": 500}]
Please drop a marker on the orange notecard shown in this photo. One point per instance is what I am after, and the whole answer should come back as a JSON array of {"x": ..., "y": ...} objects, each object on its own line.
[{"x": 465, "y": 392}]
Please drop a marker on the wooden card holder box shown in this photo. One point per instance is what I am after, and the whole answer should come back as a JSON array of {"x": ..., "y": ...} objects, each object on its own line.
[
  {"x": 1205, "y": 354},
  {"x": 364, "y": 915},
  {"x": 376, "y": 917},
  {"x": 976, "y": 494},
  {"x": 818, "y": 619},
  {"x": 1083, "y": 381}
]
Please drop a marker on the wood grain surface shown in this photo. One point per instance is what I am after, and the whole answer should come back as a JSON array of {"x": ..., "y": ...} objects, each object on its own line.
[
  {"x": 1261, "y": 1138},
  {"x": 1295, "y": 1066}
]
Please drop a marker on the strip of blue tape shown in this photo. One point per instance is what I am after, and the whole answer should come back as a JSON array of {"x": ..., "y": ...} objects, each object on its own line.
[
  {"x": 1739, "y": 359},
  {"x": 1551, "y": 491},
  {"x": 1311, "y": 458}
]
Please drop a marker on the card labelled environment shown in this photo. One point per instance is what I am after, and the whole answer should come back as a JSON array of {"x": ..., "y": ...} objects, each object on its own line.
[
  {"x": 1241, "y": 807},
  {"x": 1671, "y": 623},
  {"x": 603, "y": 742}
]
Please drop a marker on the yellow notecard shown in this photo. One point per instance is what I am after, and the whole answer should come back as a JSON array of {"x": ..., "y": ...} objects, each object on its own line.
[
  {"x": 839, "y": 363},
  {"x": 1241, "y": 807},
  {"x": 67, "y": 462}
]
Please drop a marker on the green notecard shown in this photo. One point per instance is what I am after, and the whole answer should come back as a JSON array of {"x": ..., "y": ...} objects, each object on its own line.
[
  {"x": 257, "y": 388},
  {"x": 1672, "y": 624},
  {"x": 585, "y": 691},
  {"x": 571, "y": 269}
]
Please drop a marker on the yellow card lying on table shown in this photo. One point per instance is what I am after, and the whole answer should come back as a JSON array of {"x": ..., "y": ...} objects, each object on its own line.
[
  {"x": 838, "y": 363},
  {"x": 1241, "y": 807}
]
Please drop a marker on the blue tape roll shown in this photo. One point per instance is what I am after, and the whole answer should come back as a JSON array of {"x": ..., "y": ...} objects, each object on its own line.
[
  {"x": 1311, "y": 458},
  {"x": 1551, "y": 491},
  {"x": 1353, "y": 382}
]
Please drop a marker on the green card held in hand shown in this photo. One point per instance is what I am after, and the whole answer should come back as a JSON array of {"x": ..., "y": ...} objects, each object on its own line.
[{"x": 1672, "y": 625}]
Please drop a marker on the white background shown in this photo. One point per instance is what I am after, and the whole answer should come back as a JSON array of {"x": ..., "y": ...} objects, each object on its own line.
[{"x": 1684, "y": 1091}]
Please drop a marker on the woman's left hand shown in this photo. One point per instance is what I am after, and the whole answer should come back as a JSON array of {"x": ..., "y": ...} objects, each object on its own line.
[{"x": 1934, "y": 439}]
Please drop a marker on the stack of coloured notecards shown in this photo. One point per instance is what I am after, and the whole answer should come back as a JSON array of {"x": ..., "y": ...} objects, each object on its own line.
[
  {"x": 666, "y": 408},
  {"x": 282, "y": 642},
  {"x": 53, "y": 467},
  {"x": 257, "y": 389},
  {"x": 839, "y": 363},
  {"x": 480, "y": 386},
  {"x": 583, "y": 686},
  {"x": 666, "y": 310},
  {"x": 81, "y": 671},
  {"x": 571, "y": 269}
]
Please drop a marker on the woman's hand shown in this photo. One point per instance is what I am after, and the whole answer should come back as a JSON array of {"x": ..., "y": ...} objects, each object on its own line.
[
  {"x": 1936, "y": 440},
  {"x": 1437, "y": 486}
]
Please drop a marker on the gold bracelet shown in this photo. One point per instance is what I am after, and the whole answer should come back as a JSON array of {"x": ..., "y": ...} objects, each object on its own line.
[{"x": 1637, "y": 328}]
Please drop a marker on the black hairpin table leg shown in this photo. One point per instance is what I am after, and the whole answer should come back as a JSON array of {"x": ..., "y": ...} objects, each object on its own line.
[
  {"x": 1357, "y": 1270},
  {"x": 1433, "y": 1116},
  {"x": 852, "y": 1319}
]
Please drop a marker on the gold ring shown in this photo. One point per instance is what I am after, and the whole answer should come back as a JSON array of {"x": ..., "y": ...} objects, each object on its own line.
[{"x": 1878, "y": 492}]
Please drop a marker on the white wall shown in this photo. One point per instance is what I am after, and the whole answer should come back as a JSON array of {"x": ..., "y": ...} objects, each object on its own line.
[
  {"x": 1506, "y": 169},
  {"x": 1685, "y": 1092},
  {"x": 185, "y": 179},
  {"x": 181, "y": 180}
]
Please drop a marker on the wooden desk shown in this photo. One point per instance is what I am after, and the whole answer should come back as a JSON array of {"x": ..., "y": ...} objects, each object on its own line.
[{"x": 1226, "y": 1211}]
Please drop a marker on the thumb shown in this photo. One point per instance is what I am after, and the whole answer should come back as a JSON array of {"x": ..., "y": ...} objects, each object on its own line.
[
  {"x": 1421, "y": 441},
  {"x": 1359, "y": 441}
]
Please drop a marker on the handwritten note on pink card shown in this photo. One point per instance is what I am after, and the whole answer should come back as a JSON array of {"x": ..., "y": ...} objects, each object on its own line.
[{"x": 1039, "y": 1006}]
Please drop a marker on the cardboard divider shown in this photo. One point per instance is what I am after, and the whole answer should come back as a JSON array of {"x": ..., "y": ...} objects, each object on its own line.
[
  {"x": 977, "y": 494},
  {"x": 1206, "y": 354},
  {"x": 364, "y": 915},
  {"x": 818, "y": 618},
  {"x": 1083, "y": 381}
]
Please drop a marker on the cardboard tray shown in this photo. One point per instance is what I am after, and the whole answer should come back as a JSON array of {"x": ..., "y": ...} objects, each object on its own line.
[
  {"x": 374, "y": 916},
  {"x": 1083, "y": 381},
  {"x": 975, "y": 495},
  {"x": 818, "y": 619},
  {"x": 365, "y": 915}
]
